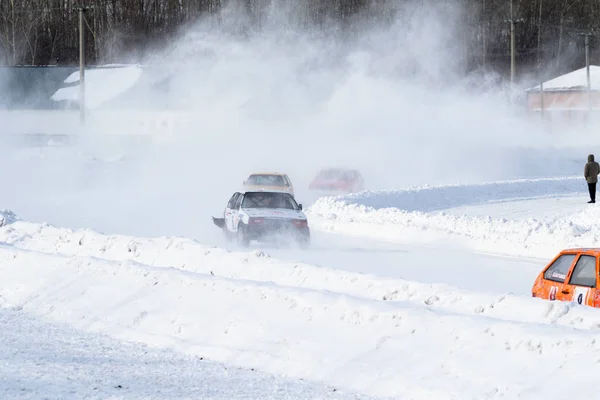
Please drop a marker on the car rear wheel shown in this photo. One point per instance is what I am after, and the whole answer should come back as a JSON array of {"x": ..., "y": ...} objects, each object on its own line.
[
  {"x": 242, "y": 239},
  {"x": 304, "y": 241}
]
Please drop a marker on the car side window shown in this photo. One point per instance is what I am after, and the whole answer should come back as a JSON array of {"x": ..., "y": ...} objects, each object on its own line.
[
  {"x": 559, "y": 269},
  {"x": 232, "y": 201},
  {"x": 238, "y": 201},
  {"x": 584, "y": 273}
]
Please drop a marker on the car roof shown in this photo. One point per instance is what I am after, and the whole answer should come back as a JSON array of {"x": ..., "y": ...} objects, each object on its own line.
[
  {"x": 267, "y": 191},
  {"x": 339, "y": 169},
  {"x": 267, "y": 173},
  {"x": 587, "y": 250}
]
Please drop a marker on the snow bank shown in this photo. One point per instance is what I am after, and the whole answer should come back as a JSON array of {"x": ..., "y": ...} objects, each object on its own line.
[
  {"x": 408, "y": 215},
  {"x": 432, "y": 198},
  {"x": 248, "y": 309}
]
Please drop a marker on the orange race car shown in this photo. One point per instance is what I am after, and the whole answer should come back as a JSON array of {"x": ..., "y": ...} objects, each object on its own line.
[{"x": 571, "y": 276}]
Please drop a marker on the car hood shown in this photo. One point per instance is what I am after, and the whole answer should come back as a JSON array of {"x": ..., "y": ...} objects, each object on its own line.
[{"x": 281, "y": 213}]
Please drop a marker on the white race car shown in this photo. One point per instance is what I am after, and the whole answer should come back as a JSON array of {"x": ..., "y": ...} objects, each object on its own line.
[
  {"x": 272, "y": 181},
  {"x": 264, "y": 216}
]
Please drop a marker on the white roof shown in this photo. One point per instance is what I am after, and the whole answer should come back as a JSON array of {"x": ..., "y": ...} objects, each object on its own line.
[
  {"x": 101, "y": 84},
  {"x": 575, "y": 80}
]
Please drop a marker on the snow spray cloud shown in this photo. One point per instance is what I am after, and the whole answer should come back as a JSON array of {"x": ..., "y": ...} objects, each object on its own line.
[
  {"x": 386, "y": 97},
  {"x": 381, "y": 94}
]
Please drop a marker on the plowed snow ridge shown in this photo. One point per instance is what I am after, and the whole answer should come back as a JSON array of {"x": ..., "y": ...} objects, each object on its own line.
[
  {"x": 187, "y": 255},
  {"x": 404, "y": 214}
]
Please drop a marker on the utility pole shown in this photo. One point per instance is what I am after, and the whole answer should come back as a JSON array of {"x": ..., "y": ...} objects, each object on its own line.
[
  {"x": 483, "y": 32},
  {"x": 586, "y": 37},
  {"x": 82, "y": 10},
  {"x": 512, "y": 46},
  {"x": 512, "y": 22},
  {"x": 587, "y": 71},
  {"x": 539, "y": 59}
]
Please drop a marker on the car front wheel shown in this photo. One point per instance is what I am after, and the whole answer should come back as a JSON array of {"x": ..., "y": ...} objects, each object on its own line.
[{"x": 227, "y": 234}]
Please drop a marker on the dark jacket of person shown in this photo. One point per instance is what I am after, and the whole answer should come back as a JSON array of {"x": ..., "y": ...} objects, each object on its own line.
[{"x": 591, "y": 170}]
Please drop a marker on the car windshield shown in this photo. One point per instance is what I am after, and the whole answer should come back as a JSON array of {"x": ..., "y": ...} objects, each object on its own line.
[
  {"x": 266, "y": 180},
  {"x": 269, "y": 200}
]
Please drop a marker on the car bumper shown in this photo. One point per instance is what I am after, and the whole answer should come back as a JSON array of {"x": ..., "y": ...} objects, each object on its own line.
[
  {"x": 331, "y": 188},
  {"x": 276, "y": 230}
]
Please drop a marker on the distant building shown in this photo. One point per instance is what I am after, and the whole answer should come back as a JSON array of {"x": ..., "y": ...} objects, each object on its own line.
[
  {"x": 115, "y": 86},
  {"x": 566, "y": 96},
  {"x": 31, "y": 87}
]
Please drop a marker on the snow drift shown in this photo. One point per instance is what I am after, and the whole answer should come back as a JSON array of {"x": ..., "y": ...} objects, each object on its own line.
[
  {"x": 432, "y": 198},
  {"x": 418, "y": 215}
]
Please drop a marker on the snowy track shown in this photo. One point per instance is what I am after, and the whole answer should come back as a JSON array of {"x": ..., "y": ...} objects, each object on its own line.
[{"x": 383, "y": 318}]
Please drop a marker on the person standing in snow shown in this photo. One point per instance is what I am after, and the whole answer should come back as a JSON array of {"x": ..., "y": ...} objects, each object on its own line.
[{"x": 590, "y": 172}]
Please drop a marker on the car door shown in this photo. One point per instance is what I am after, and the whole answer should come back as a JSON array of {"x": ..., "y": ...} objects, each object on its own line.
[
  {"x": 581, "y": 286},
  {"x": 229, "y": 212},
  {"x": 236, "y": 212},
  {"x": 554, "y": 277}
]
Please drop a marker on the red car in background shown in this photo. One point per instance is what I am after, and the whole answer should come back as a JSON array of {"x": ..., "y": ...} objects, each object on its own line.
[{"x": 338, "y": 179}]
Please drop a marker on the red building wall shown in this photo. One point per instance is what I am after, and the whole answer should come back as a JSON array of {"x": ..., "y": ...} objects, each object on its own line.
[{"x": 574, "y": 100}]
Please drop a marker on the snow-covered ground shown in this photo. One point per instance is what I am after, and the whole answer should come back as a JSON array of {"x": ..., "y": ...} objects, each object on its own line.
[
  {"x": 371, "y": 307},
  {"x": 55, "y": 361}
]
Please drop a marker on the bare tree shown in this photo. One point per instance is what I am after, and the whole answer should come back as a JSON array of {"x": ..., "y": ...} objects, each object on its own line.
[{"x": 39, "y": 32}]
